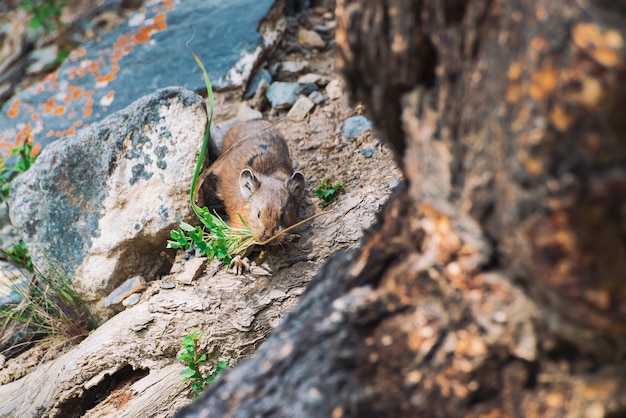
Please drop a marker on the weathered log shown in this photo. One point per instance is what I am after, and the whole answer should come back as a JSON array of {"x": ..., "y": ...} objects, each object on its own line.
[{"x": 493, "y": 282}]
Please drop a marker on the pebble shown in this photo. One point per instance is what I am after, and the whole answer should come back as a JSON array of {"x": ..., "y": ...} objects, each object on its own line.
[
  {"x": 253, "y": 85},
  {"x": 315, "y": 78},
  {"x": 307, "y": 88},
  {"x": 282, "y": 94},
  {"x": 192, "y": 269},
  {"x": 167, "y": 285},
  {"x": 317, "y": 97},
  {"x": 334, "y": 90},
  {"x": 131, "y": 300},
  {"x": 300, "y": 109},
  {"x": 368, "y": 152},
  {"x": 245, "y": 112},
  {"x": 42, "y": 59},
  {"x": 290, "y": 68},
  {"x": 355, "y": 125},
  {"x": 130, "y": 286},
  {"x": 310, "y": 39}
]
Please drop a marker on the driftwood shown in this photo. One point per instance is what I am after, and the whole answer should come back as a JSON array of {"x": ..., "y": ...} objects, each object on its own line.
[
  {"x": 139, "y": 346},
  {"x": 493, "y": 281}
]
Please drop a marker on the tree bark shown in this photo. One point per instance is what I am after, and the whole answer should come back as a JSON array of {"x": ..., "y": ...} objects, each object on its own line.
[{"x": 493, "y": 282}]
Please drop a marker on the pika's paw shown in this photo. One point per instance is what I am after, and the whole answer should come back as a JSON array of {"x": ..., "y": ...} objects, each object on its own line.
[{"x": 238, "y": 265}]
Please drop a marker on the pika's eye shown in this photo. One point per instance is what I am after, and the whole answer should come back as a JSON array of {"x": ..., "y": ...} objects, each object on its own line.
[{"x": 258, "y": 215}]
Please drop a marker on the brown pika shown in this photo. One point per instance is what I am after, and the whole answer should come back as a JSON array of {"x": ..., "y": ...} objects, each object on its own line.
[{"x": 257, "y": 180}]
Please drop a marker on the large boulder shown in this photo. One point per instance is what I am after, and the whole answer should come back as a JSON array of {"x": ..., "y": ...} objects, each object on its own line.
[{"x": 102, "y": 202}]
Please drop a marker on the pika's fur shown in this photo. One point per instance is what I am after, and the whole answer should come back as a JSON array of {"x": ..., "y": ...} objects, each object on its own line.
[{"x": 256, "y": 179}]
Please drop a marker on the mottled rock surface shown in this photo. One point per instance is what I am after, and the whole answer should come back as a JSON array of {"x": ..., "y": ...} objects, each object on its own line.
[{"x": 102, "y": 201}]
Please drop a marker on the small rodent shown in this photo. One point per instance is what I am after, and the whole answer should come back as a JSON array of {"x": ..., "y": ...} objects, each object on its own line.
[{"x": 256, "y": 179}]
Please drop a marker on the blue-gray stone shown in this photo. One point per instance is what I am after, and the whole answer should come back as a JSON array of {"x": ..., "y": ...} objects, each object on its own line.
[
  {"x": 355, "y": 125},
  {"x": 368, "y": 152},
  {"x": 282, "y": 94},
  {"x": 143, "y": 54},
  {"x": 253, "y": 85}
]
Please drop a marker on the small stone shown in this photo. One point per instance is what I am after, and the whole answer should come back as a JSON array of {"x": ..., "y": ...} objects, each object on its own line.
[
  {"x": 291, "y": 68},
  {"x": 193, "y": 269},
  {"x": 245, "y": 112},
  {"x": 130, "y": 286},
  {"x": 310, "y": 39},
  {"x": 282, "y": 94},
  {"x": 355, "y": 125},
  {"x": 42, "y": 59},
  {"x": 131, "y": 300},
  {"x": 334, "y": 90},
  {"x": 317, "y": 79},
  {"x": 300, "y": 109},
  {"x": 317, "y": 97},
  {"x": 167, "y": 285},
  {"x": 253, "y": 85},
  {"x": 368, "y": 152}
]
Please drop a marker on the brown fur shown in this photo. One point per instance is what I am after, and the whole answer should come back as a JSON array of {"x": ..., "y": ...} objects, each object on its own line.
[{"x": 274, "y": 191}]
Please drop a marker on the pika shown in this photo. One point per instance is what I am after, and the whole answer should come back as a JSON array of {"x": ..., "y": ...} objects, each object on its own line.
[{"x": 256, "y": 179}]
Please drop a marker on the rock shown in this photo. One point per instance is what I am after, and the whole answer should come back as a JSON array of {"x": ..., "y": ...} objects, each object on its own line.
[
  {"x": 193, "y": 269},
  {"x": 129, "y": 287},
  {"x": 291, "y": 68},
  {"x": 317, "y": 79},
  {"x": 167, "y": 285},
  {"x": 102, "y": 202},
  {"x": 310, "y": 39},
  {"x": 317, "y": 97},
  {"x": 42, "y": 59},
  {"x": 245, "y": 112},
  {"x": 282, "y": 94},
  {"x": 253, "y": 85},
  {"x": 307, "y": 88},
  {"x": 353, "y": 126},
  {"x": 300, "y": 109},
  {"x": 131, "y": 300},
  {"x": 12, "y": 281},
  {"x": 334, "y": 90},
  {"x": 368, "y": 152},
  {"x": 144, "y": 53}
]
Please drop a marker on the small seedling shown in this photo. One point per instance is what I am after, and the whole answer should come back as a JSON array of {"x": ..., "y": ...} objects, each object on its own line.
[
  {"x": 45, "y": 14},
  {"x": 192, "y": 358},
  {"x": 328, "y": 191},
  {"x": 19, "y": 255}
]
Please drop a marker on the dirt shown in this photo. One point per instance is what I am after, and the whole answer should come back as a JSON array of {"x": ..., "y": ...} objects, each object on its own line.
[{"x": 319, "y": 152}]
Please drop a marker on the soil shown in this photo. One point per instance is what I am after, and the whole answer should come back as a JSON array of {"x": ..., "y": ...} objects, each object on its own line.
[{"x": 320, "y": 152}]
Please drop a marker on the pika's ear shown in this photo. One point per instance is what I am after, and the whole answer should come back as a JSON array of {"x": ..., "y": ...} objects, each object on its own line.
[
  {"x": 296, "y": 184},
  {"x": 248, "y": 183}
]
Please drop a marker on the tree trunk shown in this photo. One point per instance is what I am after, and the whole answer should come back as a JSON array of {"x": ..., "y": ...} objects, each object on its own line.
[{"x": 493, "y": 282}]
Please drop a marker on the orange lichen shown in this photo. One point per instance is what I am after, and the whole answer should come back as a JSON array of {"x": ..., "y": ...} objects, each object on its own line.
[
  {"x": 605, "y": 48},
  {"x": 543, "y": 82}
]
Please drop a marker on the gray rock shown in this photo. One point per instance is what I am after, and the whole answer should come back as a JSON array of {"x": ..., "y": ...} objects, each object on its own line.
[
  {"x": 167, "y": 285},
  {"x": 42, "y": 59},
  {"x": 282, "y": 94},
  {"x": 317, "y": 97},
  {"x": 368, "y": 152},
  {"x": 307, "y": 88},
  {"x": 192, "y": 270},
  {"x": 318, "y": 79},
  {"x": 103, "y": 201},
  {"x": 300, "y": 109},
  {"x": 131, "y": 300},
  {"x": 245, "y": 112},
  {"x": 12, "y": 281},
  {"x": 291, "y": 68},
  {"x": 353, "y": 126},
  {"x": 334, "y": 90},
  {"x": 253, "y": 85},
  {"x": 143, "y": 54},
  {"x": 130, "y": 286}
]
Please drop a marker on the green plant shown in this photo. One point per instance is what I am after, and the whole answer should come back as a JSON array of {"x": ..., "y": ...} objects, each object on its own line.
[
  {"x": 328, "y": 191},
  {"x": 192, "y": 358},
  {"x": 19, "y": 255},
  {"x": 215, "y": 238},
  {"x": 25, "y": 157},
  {"x": 49, "y": 308},
  {"x": 45, "y": 14}
]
